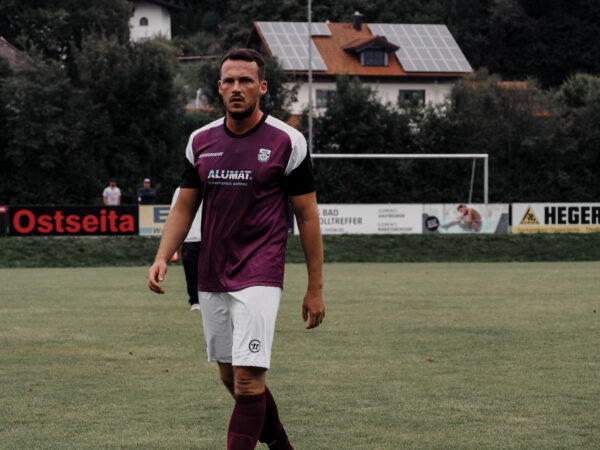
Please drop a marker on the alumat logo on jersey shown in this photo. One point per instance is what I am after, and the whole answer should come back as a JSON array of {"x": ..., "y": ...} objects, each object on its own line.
[
  {"x": 225, "y": 174},
  {"x": 263, "y": 154}
]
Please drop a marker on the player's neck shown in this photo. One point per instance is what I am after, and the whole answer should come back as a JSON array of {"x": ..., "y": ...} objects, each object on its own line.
[{"x": 241, "y": 126}]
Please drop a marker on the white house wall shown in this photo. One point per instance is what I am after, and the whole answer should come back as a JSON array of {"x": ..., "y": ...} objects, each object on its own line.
[
  {"x": 436, "y": 92},
  {"x": 159, "y": 21}
]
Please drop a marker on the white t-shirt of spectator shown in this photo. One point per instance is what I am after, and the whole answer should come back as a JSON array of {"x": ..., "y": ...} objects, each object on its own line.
[
  {"x": 112, "y": 195},
  {"x": 194, "y": 234}
]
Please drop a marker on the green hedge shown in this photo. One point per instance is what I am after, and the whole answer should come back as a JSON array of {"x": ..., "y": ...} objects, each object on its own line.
[{"x": 139, "y": 251}]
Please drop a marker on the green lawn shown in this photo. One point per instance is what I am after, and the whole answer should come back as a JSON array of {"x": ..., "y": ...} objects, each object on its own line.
[{"x": 428, "y": 355}]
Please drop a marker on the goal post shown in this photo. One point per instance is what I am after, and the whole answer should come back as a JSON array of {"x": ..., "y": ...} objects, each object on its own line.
[{"x": 473, "y": 156}]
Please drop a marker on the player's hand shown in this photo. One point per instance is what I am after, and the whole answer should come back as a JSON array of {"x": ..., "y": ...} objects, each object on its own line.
[
  {"x": 313, "y": 309},
  {"x": 156, "y": 274}
]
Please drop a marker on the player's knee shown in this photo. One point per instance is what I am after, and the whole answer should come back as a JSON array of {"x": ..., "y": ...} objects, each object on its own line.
[
  {"x": 228, "y": 382},
  {"x": 249, "y": 382},
  {"x": 226, "y": 373}
]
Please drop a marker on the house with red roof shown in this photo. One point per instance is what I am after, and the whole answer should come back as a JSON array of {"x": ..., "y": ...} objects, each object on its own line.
[{"x": 399, "y": 61}]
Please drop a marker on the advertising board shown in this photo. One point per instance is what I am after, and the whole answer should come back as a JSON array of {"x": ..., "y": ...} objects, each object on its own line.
[
  {"x": 72, "y": 220},
  {"x": 455, "y": 218},
  {"x": 369, "y": 218},
  {"x": 152, "y": 219},
  {"x": 555, "y": 217}
]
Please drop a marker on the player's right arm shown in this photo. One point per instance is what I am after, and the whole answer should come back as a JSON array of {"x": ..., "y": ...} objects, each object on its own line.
[{"x": 176, "y": 229}]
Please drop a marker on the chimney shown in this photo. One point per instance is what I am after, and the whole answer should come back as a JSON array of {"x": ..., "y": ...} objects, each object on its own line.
[{"x": 357, "y": 20}]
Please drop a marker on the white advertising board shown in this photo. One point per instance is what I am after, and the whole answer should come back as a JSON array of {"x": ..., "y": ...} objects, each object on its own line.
[
  {"x": 369, "y": 219},
  {"x": 152, "y": 219},
  {"x": 555, "y": 217},
  {"x": 455, "y": 218}
]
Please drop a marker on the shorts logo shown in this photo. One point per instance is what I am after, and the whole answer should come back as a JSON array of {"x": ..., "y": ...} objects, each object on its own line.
[
  {"x": 254, "y": 345},
  {"x": 263, "y": 154}
]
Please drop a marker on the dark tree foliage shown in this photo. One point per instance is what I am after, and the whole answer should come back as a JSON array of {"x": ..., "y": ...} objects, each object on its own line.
[
  {"x": 39, "y": 136},
  {"x": 133, "y": 120},
  {"x": 89, "y": 105},
  {"x": 62, "y": 141},
  {"x": 579, "y": 101},
  {"x": 540, "y": 148},
  {"x": 357, "y": 122},
  {"x": 58, "y": 27}
]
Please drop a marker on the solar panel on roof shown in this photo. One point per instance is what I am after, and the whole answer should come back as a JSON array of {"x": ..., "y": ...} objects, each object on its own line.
[
  {"x": 288, "y": 42},
  {"x": 424, "y": 48}
]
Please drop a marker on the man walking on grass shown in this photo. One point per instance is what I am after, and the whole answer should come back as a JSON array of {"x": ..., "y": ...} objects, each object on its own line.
[{"x": 244, "y": 168}]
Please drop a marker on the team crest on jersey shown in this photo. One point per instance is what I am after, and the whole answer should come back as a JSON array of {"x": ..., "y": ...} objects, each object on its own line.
[{"x": 263, "y": 154}]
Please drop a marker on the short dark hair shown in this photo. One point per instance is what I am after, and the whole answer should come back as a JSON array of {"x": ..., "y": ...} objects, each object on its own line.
[
  {"x": 246, "y": 54},
  {"x": 461, "y": 206}
]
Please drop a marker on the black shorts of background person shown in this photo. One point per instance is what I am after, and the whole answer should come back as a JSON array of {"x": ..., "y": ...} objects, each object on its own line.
[{"x": 189, "y": 257}]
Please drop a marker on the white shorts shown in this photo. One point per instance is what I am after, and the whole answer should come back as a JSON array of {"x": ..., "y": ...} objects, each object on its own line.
[{"x": 239, "y": 326}]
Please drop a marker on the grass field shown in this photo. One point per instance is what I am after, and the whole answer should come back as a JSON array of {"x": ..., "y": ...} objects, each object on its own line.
[{"x": 444, "y": 355}]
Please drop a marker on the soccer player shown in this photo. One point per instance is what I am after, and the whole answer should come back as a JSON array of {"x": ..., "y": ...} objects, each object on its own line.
[{"x": 244, "y": 168}]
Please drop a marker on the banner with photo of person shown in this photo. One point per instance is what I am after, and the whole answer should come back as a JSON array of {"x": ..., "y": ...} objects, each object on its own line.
[{"x": 455, "y": 218}]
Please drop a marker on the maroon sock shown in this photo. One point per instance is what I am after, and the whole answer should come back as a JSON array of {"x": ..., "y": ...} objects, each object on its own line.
[
  {"x": 273, "y": 433},
  {"x": 246, "y": 422}
]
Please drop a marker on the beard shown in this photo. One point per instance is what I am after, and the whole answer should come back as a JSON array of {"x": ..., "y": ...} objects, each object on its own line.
[{"x": 242, "y": 114}]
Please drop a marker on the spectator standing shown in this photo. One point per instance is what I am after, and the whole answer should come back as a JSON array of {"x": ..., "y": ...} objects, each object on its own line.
[
  {"x": 146, "y": 195},
  {"x": 112, "y": 194}
]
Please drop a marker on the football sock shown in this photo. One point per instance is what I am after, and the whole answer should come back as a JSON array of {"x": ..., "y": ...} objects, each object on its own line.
[
  {"x": 246, "y": 422},
  {"x": 273, "y": 433}
]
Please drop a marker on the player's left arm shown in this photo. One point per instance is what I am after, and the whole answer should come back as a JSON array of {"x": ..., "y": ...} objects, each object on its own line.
[{"x": 307, "y": 217}]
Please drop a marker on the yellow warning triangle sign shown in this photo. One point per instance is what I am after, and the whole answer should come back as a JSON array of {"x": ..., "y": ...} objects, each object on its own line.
[{"x": 529, "y": 218}]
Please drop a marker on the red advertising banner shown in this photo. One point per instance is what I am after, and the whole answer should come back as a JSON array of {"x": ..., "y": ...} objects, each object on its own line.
[{"x": 72, "y": 220}]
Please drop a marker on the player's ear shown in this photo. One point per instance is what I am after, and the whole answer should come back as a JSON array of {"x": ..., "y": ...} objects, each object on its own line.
[
  {"x": 263, "y": 87},
  {"x": 220, "y": 88}
]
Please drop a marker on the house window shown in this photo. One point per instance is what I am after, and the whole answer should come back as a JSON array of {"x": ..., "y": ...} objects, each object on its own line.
[
  {"x": 411, "y": 95},
  {"x": 373, "y": 58},
  {"x": 143, "y": 22},
  {"x": 324, "y": 97}
]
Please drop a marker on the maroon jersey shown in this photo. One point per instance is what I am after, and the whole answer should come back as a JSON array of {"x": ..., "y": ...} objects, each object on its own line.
[{"x": 245, "y": 181}]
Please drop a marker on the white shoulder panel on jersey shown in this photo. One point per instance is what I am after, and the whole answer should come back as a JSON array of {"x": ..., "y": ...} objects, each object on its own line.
[
  {"x": 299, "y": 147},
  {"x": 189, "y": 153}
]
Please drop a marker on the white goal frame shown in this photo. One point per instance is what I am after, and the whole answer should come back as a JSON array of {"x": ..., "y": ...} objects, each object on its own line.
[{"x": 473, "y": 156}]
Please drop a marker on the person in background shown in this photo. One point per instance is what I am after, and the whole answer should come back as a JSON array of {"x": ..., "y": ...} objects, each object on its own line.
[
  {"x": 146, "y": 195},
  {"x": 190, "y": 249},
  {"x": 111, "y": 194}
]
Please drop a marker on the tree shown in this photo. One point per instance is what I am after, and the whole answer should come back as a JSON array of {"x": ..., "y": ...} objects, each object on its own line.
[
  {"x": 579, "y": 97},
  {"x": 39, "y": 135},
  {"x": 58, "y": 27},
  {"x": 357, "y": 122},
  {"x": 516, "y": 124},
  {"x": 133, "y": 119}
]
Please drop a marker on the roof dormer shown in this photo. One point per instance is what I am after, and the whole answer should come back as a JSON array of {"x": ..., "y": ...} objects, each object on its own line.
[{"x": 373, "y": 51}]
